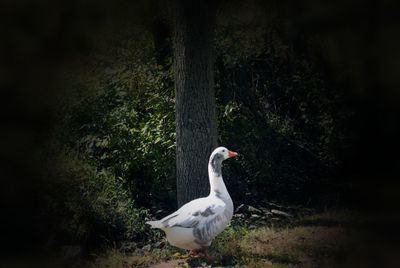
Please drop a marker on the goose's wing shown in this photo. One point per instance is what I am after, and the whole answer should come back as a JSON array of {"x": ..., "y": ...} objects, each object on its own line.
[{"x": 194, "y": 213}]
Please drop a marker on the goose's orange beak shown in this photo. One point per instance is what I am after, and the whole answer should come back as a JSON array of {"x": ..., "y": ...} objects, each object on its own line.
[{"x": 232, "y": 154}]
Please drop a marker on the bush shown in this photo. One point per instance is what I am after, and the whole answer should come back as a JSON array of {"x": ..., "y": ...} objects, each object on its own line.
[{"x": 91, "y": 207}]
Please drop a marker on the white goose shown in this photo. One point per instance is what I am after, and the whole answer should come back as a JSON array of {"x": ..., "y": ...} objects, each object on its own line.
[{"x": 196, "y": 223}]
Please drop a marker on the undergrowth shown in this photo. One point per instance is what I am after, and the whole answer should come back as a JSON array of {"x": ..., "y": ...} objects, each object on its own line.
[{"x": 288, "y": 245}]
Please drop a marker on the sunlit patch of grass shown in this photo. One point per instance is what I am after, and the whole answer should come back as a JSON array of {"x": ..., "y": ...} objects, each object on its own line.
[
  {"x": 227, "y": 245},
  {"x": 303, "y": 245},
  {"x": 271, "y": 244},
  {"x": 291, "y": 246}
]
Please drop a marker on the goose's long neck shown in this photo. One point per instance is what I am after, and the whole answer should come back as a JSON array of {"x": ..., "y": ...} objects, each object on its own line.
[{"x": 217, "y": 185}]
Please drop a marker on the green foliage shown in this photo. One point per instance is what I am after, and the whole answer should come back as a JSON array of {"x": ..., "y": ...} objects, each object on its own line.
[
  {"x": 120, "y": 130},
  {"x": 90, "y": 206},
  {"x": 128, "y": 128},
  {"x": 274, "y": 108}
]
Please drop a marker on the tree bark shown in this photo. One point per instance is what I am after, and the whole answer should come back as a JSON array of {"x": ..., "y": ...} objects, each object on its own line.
[{"x": 196, "y": 123}]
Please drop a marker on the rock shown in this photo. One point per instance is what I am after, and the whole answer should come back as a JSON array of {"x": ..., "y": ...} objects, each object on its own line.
[
  {"x": 255, "y": 217},
  {"x": 239, "y": 216},
  {"x": 146, "y": 248},
  {"x": 254, "y": 210},
  {"x": 159, "y": 244},
  {"x": 274, "y": 206},
  {"x": 264, "y": 210},
  {"x": 159, "y": 212},
  {"x": 241, "y": 209},
  {"x": 262, "y": 222},
  {"x": 268, "y": 214},
  {"x": 280, "y": 213}
]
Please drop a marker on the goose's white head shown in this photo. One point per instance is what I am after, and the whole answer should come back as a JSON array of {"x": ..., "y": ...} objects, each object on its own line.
[
  {"x": 220, "y": 154},
  {"x": 215, "y": 168}
]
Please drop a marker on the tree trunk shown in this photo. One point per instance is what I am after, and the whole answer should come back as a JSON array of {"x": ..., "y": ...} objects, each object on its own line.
[{"x": 196, "y": 124}]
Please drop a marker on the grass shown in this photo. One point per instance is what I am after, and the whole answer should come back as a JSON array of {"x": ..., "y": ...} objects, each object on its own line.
[
  {"x": 322, "y": 241},
  {"x": 298, "y": 246},
  {"x": 114, "y": 258},
  {"x": 327, "y": 239}
]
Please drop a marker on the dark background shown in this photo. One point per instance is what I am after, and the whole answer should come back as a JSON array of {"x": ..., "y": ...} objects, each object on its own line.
[{"x": 39, "y": 40}]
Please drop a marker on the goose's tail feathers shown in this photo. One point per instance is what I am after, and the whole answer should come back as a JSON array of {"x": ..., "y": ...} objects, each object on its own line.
[{"x": 154, "y": 224}]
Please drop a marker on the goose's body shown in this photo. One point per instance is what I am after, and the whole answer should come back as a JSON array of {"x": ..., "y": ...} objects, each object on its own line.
[{"x": 196, "y": 223}]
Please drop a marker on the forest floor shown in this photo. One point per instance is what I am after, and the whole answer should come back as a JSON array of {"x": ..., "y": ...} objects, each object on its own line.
[{"x": 339, "y": 238}]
